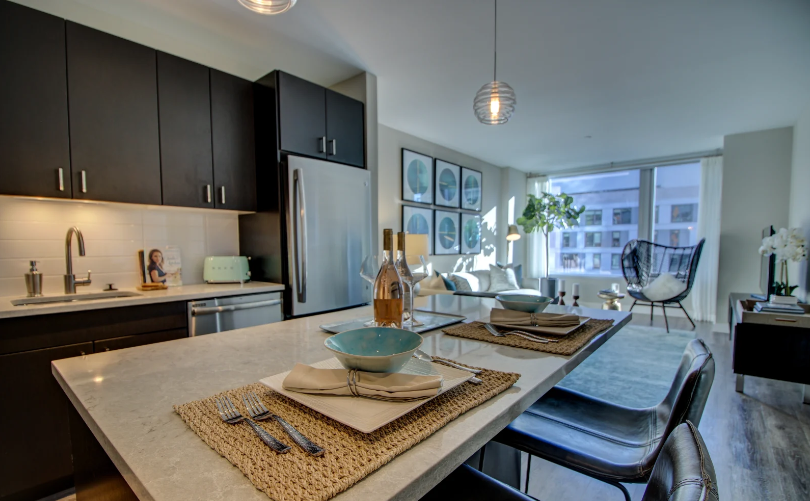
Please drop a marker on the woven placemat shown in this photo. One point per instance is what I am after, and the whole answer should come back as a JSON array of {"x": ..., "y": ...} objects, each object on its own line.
[
  {"x": 567, "y": 345},
  {"x": 350, "y": 455}
]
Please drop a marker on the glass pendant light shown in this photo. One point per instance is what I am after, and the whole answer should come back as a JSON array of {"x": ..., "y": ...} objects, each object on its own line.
[
  {"x": 268, "y": 7},
  {"x": 495, "y": 102}
]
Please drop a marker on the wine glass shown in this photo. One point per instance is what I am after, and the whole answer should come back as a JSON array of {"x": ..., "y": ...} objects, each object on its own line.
[
  {"x": 369, "y": 270},
  {"x": 415, "y": 262}
]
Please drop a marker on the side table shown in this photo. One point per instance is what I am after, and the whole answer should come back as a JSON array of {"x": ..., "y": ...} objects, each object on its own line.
[{"x": 612, "y": 301}]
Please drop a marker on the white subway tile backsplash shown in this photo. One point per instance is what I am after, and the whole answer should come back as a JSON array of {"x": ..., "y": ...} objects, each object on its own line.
[{"x": 113, "y": 233}]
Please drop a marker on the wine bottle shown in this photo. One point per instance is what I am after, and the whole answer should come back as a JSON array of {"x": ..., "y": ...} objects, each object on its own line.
[
  {"x": 388, "y": 291},
  {"x": 405, "y": 275}
]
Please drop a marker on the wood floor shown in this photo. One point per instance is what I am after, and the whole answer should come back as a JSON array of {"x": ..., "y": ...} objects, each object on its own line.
[{"x": 759, "y": 440}]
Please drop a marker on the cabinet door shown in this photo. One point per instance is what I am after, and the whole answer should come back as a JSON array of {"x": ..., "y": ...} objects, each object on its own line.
[
  {"x": 33, "y": 104},
  {"x": 345, "y": 133},
  {"x": 234, "y": 143},
  {"x": 36, "y": 458},
  {"x": 187, "y": 172},
  {"x": 119, "y": 343},
  {"x": 114, "y": 139},
  {"x": 302, "y": 116}
]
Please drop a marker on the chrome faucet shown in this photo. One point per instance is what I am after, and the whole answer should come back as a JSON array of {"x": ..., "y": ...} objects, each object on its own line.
[{"x": 70, "y": 279}]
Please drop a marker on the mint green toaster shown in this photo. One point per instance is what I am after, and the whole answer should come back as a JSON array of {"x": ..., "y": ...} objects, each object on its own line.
[{"x": 226, "y": 269}]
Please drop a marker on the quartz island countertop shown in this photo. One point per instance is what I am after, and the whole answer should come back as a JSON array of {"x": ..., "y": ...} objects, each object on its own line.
[
  {"x": 125, "y": 397},
  {"x": 181, "y": 293}
]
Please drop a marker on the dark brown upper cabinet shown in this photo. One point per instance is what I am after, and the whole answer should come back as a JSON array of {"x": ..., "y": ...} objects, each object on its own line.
[
  {"x": 33, "y": 104},
  {"x": 113, "y": 102},
  {"x": 345, "y": 141},
  {"x": 232, "y": 129},
  {"x": 187, "y": 171}
]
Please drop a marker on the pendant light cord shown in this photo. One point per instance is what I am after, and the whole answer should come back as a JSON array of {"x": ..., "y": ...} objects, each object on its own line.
[{"x": 495, "y": 64}]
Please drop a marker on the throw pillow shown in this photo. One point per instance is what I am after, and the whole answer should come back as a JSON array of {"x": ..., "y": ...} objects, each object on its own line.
[
  {"x": 431, "y": 284},
  {"x": 461, "y": 282},
  {"x": 518, "y": 269},
  {"x": 501, "y": 280},
  {"x": 448, "y": 284},
  {"x": 666, "y": 286},
  {"x": 472, "y": 279},
  {"x": 483, "y": 279}
]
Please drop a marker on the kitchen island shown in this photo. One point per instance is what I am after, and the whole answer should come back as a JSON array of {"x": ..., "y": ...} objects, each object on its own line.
[{"x": 125, "y": 398}]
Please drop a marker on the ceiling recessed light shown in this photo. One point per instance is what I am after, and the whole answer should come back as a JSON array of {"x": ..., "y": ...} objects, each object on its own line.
[{"x": 268, "y": 7}]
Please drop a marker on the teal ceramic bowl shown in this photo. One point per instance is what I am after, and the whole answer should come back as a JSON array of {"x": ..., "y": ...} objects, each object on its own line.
[
  {"x": 524, "y": 302},
  {"x": 374, "y": 349}
]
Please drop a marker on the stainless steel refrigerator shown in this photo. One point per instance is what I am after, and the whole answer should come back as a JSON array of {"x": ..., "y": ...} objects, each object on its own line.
[{"x": 314, "y": 236}]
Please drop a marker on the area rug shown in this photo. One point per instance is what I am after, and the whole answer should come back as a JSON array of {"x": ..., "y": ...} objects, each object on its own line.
[{"x": 634, "y": 368}]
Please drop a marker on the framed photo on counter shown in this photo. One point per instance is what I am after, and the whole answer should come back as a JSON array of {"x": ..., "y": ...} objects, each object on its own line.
[
  {"x": 417, "y": 177},
  {"x": 447, "y": 235}
]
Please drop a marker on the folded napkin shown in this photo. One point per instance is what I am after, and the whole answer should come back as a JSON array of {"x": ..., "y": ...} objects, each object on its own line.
[
  {"x": 514, "y": 318},
  {"x": 306, "y": 379}
]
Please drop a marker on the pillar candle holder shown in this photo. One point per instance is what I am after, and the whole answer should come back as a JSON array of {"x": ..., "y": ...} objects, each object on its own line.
[
  {"x": 576, "y": 298},
  {"x": 561, "y": 302}
]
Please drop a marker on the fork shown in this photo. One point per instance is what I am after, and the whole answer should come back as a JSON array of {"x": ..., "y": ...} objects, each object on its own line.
[
  {"x": 525, "y": 335},
  {"x": 260, "y": 412},
  {"x": 229, "y": 414}
]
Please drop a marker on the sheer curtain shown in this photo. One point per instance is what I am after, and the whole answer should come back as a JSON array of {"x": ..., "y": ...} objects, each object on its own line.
[
  {"x": 704, "y": 290},
  {"x": 536, "y": 242}
]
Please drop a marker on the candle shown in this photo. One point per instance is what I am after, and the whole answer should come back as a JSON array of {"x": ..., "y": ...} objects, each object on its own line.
[
  {"x": 561, "y": 283},
  {"x": 576, "y": 290}
]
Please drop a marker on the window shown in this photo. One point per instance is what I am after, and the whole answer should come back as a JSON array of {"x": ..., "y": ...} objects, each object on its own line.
[
  {"x": 683, "y": 213},
  {"x": 567, "y": 238},
  {"x": 615, "y": 261},
  {"x": 593, "y": 239},
  {"x": 592, "y": 218},
  {"x": 597, "y": 262},
  {"x": 674, "y": 237},
  {"x": 572, "y": 262},
  {"x": 623, "y": 216},
  {"x": 616, "y": 239}
]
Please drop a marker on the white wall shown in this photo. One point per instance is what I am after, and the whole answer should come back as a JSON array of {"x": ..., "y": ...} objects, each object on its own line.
[
  {"x": 756, "y": 193},
  {"x": 800, "y": 197},
  {"x": 493, "y": 238},
  {"x": 32, "y": 229}
]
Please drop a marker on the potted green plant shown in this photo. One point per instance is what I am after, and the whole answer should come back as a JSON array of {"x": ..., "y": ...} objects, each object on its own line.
[
  {"x": 787, "y": 245},
  {"x": 547, "y": 213}
]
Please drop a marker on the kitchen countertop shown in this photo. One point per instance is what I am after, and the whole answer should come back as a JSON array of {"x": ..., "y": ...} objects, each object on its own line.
[
  {"x": 126, "y": 399},
  {"x": 182, "y": 293}
]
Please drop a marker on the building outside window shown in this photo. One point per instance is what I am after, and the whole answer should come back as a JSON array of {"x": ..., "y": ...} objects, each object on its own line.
[
  {"x": 683, "y": 213},
  {"x": 593, "y": 239},
  {"x": 615, "y": 261},
  {"x": 591, "y": 218},
  {"x": 674, "y": 238},
  {"x": 616, "y": 239},
  {"x": 573, "y": 262},
  {"x": 566, "y": 240},
  {"x": 597, "y": 262},
  {"x": 677, "y": 192},
  {"x": 623, "y": 216}
]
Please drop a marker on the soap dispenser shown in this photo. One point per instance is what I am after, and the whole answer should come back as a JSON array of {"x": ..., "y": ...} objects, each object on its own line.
[{"x": 33, "y": 281}]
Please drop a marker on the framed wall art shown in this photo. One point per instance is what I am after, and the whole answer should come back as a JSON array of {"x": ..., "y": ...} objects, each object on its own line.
[
  {"x": 418, "y": 221},
  {"x": 470, "y": 234},
  {"x": 417, "y": 177},
  {"x": 471, "y": 189},
  {"x": 448, "y": 184},
  {"x": 446, "y": 231}
]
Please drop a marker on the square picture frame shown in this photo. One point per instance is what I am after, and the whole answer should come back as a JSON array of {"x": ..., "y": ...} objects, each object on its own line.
[
  {"x": 470, "y": 229},
  {"x": 418, "y": 221},
  {"x": 472, "y": 189},
  {"x": 447, "y": 182},
  {"x": 417, "y": 177},
  {"x": 446, "y": 234}
]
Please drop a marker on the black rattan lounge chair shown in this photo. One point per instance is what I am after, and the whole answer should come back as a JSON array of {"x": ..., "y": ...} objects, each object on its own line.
[{"x": 643, "y": 262}]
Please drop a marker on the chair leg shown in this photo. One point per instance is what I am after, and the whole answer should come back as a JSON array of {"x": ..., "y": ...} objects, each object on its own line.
[
  {"x": 631, "y": 306},
  {"x": 652, "y": 305},
  {"x": 687, "y": 316},
  {"x": 621, "y": 488},
  {"x": 666, "y": 322},
  {"x": 528, "y": 472}
]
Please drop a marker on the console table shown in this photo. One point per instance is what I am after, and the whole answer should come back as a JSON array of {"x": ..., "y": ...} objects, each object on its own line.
[{"x": 769, "y": 345}]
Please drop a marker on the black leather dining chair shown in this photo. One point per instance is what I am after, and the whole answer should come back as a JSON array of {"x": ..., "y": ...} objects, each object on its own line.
[
  {"x": 683, "y": 472},
  {"x": 606, "y": 441}
]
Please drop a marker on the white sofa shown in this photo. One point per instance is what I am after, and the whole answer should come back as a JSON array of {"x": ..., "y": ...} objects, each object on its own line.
[{"x": 479, "y": 283}]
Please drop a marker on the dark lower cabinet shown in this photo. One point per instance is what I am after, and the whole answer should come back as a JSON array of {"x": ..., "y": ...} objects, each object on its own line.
[
  {"x": 187, "y": 171},
  {"x": 345, "y": 130},
  {"x": 119, "y": 343},
  {"x": 33, "y": 104},
  {"x": 113, "y": 102},
  {"x": 232, "y": 129},
  {"x": 35, "y": 443}
]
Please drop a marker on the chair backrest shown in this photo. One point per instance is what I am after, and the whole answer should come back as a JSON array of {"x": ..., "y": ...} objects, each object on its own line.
[
  {"x": 690, "y": 388},
  {"x": 643, "y": 261},
  {"x": 684, "y": 470}
]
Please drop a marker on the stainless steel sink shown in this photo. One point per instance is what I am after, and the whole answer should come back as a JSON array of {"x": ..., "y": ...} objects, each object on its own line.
[{"x": 68, "y": 298}]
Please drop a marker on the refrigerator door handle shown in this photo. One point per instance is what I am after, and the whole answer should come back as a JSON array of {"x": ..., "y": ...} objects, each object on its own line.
[{"x": 301, "y": 227}]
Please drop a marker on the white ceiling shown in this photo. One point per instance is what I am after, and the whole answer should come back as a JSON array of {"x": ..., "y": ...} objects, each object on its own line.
[{"x": 643, "y": 78}]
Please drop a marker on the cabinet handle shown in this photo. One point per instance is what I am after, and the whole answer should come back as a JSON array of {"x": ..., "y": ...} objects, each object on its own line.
[
  {"x": 222, "y": 196},
  {"x": 84, "y": 181},
  {"x": 322, "y": 147},
  {"x": 208, "y": 193},
  {"x": 61, "y": 179},
  {"x": 334, "y": 146}
]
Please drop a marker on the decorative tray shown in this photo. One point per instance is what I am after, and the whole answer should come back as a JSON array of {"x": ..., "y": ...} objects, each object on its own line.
[{"x": 431, "y": 320}]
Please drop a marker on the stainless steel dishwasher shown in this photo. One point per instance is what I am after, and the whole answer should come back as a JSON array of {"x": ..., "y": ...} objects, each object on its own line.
[{"x": 208, "y": 316}]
